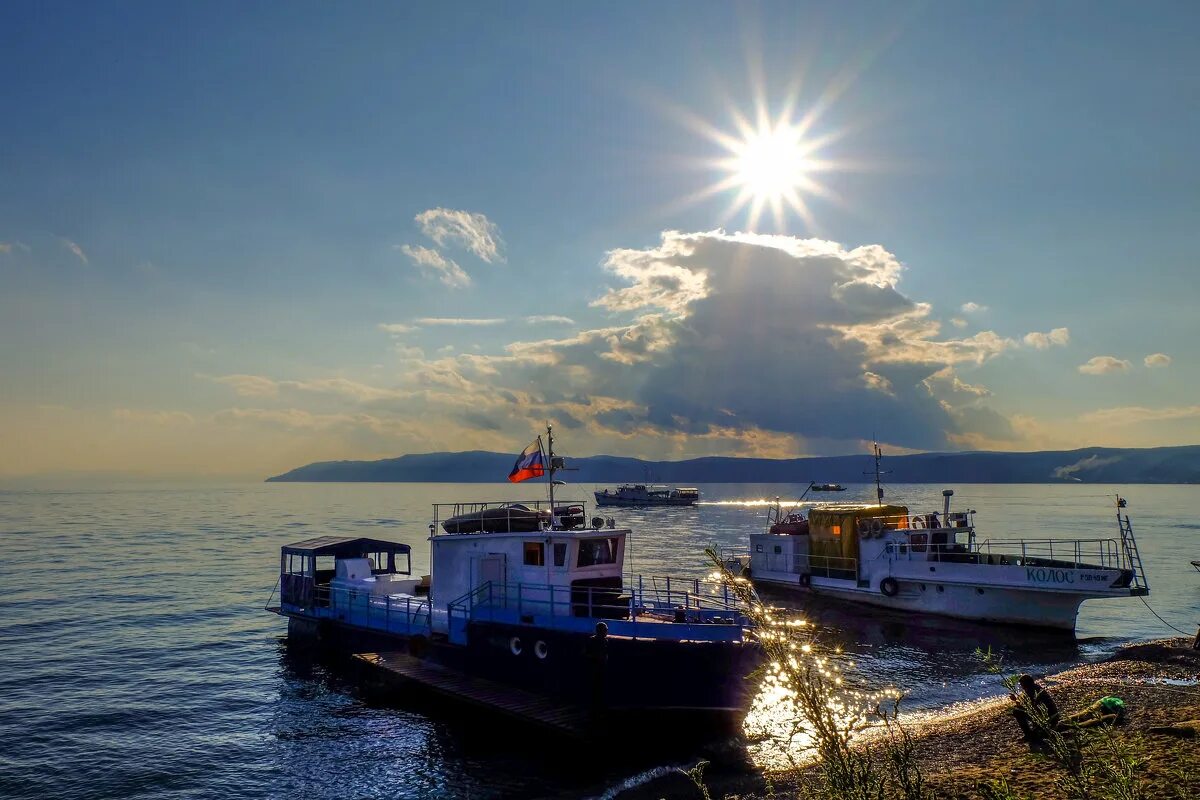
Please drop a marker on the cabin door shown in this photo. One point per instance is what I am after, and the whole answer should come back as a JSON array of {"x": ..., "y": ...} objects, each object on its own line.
[{"x": 492, "y": 568}]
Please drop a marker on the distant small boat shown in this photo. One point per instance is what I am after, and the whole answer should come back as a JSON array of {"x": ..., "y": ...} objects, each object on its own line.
[
  {"x": 647, "y": 494},
  {"x": 1196, "y": 564},
  {"x": 827, "y": 487}
]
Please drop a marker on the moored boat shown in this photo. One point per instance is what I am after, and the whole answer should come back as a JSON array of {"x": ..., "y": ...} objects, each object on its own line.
[
  {"x": 647, "y": 494},
  {"x": 520, "y": 608},
  {"x": 883, "y": 555}
]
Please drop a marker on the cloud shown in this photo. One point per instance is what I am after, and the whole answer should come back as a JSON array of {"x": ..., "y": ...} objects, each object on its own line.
[
  {"x": 5, "y": 247},
  {"x": 549, "y": 319},
  {"x": 971, "y": 307},
  {"x": 249, "y": 385},
  {"x": 474, "y": 232},
  {"x": 409, "y": 353},
  {"x": 1133, "y": 415},
  {"x": 958, "y": 322},
  {"x": 789, "y": 340},
  {"x": 1104, "y": 365},
  {"x": 433, "y": 264},
  {"x": 1043, "y": 341},
  {"x": 396, "y": 328},
  {"x": 459, "y": 321},
  {"x": 75, "y": 249},
  {"x": 153, "y": 417},
  {"x": 1157, "y": 360}
]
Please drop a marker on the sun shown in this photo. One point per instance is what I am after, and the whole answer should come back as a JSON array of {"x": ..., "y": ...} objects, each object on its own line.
[
  {"x": 770, "y": 163},
  {"x": 770, "y": 166}
]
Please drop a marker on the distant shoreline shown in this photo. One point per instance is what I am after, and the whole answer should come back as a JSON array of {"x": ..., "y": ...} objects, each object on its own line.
[{"x": 1092, "y": 465}]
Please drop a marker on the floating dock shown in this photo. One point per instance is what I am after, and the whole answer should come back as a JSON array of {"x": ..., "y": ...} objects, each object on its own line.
[{"x": 497, "y": 697}]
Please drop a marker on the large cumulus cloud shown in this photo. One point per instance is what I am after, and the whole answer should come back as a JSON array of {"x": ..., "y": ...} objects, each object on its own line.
[{"x": 765, "y": 338}]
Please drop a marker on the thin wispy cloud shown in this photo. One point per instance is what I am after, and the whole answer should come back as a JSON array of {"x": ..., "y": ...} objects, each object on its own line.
[
  {"x": 1104, "y": 365},
  {"x": 958, "y": 322},
  {"x": 549, "y": 319},
  {"x": 396, "y": 328},
  {"x": 971, "y": 307},
  {"x": 5, "y": 247},
  {"x": 433, "y": 264},
  {"x": 1157, "y": 360},
  {"x": 1133, "y": 415},
  {"x": 471, "y": 231},
  {"x": 75, "y": 250},
  {"x": 466, "y": 321},
  {"x": 1044, "y": 341}
]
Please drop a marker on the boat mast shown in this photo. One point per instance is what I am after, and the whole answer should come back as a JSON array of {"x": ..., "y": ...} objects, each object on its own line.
[
  {"x": 878, "y": 473},
  {"x": 550, "y": 457}
]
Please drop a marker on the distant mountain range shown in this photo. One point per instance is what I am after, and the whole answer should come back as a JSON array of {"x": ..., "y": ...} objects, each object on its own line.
[{"x": 1089, "y": 465}]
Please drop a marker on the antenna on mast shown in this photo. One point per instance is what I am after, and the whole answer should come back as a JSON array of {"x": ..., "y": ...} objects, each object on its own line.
[
  {"x": 878, "y": 473},
  {"x": 557, "y": 464}
]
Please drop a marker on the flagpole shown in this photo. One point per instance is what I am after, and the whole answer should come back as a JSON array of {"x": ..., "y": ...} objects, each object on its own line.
[{"x": 550, "y": 458}]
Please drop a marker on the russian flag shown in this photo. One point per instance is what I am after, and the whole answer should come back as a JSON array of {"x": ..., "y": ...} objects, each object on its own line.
[{"x": 530, "y": 464}]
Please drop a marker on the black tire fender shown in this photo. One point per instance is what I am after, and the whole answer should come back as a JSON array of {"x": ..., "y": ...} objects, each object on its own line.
[{"x": 889, "y": 587}]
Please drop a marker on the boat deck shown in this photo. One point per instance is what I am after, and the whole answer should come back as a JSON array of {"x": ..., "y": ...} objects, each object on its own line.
[{"x": 507, "y": 700}]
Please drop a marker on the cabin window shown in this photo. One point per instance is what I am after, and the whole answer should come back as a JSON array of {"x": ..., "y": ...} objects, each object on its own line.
[
  {"x": 296, "y": 564},
  {"x": 778, "y": 549},
  {"x": 560, "y": 553},
  {"x": 918, "y": 541},
  {"x": 597, "y": 551},
  {"x": 535, "y": 554},
  {"x": 836, "y": 530},
  {"x": 758, "y": 548}
]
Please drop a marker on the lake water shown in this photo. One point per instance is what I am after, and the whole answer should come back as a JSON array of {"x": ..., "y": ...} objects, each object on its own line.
[{"x": 136, "y": 659}]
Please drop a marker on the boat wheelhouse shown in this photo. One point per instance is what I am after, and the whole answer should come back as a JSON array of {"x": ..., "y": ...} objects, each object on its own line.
[
  {"x": 883, "y": 555},
  {"x": 520, "y": 606},
  {"x": 647, "y": 494}
]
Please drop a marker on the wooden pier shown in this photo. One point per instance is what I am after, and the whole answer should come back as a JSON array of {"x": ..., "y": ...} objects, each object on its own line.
[{"x": 500, "y": 698}]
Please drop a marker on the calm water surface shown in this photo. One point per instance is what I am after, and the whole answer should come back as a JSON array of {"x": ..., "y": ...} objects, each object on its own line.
[{"x": 136, "y": 659}]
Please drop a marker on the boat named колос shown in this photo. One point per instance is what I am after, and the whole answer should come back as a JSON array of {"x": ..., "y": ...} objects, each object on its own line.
[
  {"x": 647, "y": 494},
  {"x": 882, "y": 555},
  {"x": 514, "y": 596}
]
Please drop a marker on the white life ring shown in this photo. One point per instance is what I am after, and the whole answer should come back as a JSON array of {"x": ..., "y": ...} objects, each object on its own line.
[
  {"x": 514, "y": 646},
  {"x": 917, "y": 522},
  {"x": 876, "y": 527},
  {"x": 864, "y": 527},
  {"x": 541, "y": 650}
]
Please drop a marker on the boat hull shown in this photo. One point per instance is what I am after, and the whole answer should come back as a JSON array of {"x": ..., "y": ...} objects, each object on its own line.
[
  {"x": 612, "y": 500},
  {"x": 636, "y": 678},
  {"x": 977, "y": 603}
]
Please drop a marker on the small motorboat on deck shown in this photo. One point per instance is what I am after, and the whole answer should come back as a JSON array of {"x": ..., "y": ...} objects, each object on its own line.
[{"x": 512, "y": 518}]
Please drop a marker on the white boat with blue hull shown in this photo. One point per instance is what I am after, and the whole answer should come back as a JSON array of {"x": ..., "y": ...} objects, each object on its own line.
[
  {"x": 520, "y": 607},
  {"x": 935, "y": 563}
]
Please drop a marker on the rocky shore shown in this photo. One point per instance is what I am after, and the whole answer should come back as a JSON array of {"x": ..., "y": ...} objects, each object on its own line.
[{"x": 1159, "y": 681}]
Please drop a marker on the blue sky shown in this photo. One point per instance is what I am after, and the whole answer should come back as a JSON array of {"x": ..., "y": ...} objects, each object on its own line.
[{"x": 202, "y": 210}]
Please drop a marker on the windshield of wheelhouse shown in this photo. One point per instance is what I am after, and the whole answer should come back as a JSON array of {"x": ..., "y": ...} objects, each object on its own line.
[{"x": 593, "y": 552}]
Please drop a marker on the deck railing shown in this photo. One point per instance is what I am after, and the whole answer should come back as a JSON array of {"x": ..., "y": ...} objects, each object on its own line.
[
  {"x": 356, "y": 607},
  {"x": 649, "y": 598}
]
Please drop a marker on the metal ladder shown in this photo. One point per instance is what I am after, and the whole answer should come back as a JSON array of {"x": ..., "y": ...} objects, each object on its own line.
[{"x": 1139, "y": 585}]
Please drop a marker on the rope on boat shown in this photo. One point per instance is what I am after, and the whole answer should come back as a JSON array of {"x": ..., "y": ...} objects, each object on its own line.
[{"x": 1160, "y": 619}]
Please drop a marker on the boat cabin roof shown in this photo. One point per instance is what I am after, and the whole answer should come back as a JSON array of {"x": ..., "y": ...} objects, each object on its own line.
[{"x": 344, "y": 546}]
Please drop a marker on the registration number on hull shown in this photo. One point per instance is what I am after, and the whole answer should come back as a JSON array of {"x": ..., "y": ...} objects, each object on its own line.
[{"x": 1064, "y": 576}]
